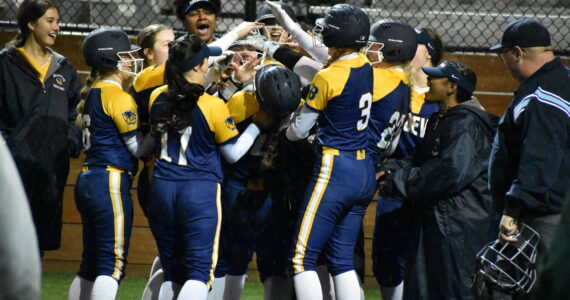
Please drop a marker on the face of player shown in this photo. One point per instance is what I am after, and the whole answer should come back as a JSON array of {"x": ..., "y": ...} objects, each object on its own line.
[
  {"x": 422, "y": 58},
  {"x": 439, "y": 89},
  {"x": 202, "y": 22},
  {"x": 244, "y": 54},
  {"x": 46, "y": 28},
  {"x": 274, "y": 31},
  {"x": 159, "y": 52}
]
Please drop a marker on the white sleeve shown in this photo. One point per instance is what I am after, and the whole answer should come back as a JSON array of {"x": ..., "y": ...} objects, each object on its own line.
[
  {"x": 307, "y": 68},
  {"x": 320, "y": 54},
  {"x": 232, "y": 152},
  {"x": 224, "y": 43},
  {"x": 139, "y": 145},
  {"x": 301, "y": 124}
]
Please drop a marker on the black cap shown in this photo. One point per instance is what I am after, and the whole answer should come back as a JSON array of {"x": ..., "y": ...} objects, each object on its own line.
[
  {"x": 265, "y": 12},
  {"x": 446, "y": 70},
  {"x": 425, "y": 39},
  {"x": 524, "y": 33},
  {"x": 194, "y": 4}
]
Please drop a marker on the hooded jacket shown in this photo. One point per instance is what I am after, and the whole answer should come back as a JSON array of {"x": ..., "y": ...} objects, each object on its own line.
[
  {"x": 37, "y": 121},
  {"x": 444, "y": 187}
]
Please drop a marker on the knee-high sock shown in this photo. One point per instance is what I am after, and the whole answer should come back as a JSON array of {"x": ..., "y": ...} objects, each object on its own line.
[
  {"x": 234, "y": 287},
  {"x": 307, "y": 286},
  {"x": 217, "y": 292},
  {"x": 169, "y": 290},
  {"x": 156, "y": 265},
  {"x": 327, "y": 285},
  {"x": 193, "y": 290},
  {"x": 152, "y": 288},
  {"x": 80, "y": 289},
  {"x": 346, "y": 286},
  {"x": 392, "y": 292},
  {"x": 277, "y": 288},
  {"x": 104, "y": 288}
]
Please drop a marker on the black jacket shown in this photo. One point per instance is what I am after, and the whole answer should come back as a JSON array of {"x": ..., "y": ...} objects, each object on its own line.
[
  {"x": 529, "y": 171},
  {"x": 37, "y": 121},
  {"x": 444, "y": 188}
]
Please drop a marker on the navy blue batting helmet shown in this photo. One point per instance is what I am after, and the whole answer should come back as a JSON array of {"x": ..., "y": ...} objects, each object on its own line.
[
  {"x": 101, "y": 48},
  {"x": 344, "y": 26},
  {"x": 399, "y": 39},
  {"x": 277, "y": 89}
]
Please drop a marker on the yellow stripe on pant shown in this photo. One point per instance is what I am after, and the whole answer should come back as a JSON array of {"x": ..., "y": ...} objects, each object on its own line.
[
  {"x": 217, "y": 237},
  {"x": 119, "y": 220},
  {"x": 310, "y": 211}
]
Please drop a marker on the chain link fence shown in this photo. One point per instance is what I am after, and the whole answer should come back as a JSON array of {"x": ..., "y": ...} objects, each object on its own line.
[{"x": 465, "y": 25}]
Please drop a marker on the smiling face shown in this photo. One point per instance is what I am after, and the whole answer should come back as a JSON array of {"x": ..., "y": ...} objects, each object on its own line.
[
  {"x": 202, "y": 22},
  {"x": 45, "y": 29},
  {"x": 158, "y": 54}
]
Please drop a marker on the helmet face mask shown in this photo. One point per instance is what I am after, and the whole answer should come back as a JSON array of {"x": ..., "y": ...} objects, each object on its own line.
[
  {"x": 509, "y": 267},
  {"x": 277, "y": 34},
  {"x": 373, "y": 52},
  {"x": 129, "y": 63},
  {"x": 317, "y": 33}
]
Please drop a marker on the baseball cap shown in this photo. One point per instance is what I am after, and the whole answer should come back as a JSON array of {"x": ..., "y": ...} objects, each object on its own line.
[
  {"x": 523, "y": 33},
  {"x": 446, "y": 70},
  {"x": 192, "y": 5},
  {"x": 425, "y": 39},
  {"x": 204, "y": 52}
]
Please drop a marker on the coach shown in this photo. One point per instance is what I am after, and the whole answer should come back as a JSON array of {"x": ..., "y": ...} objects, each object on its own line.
[{"x": 529, "y": 171}]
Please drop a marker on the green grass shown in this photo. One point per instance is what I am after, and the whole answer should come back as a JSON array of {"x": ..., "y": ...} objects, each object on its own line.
[{"x": 55, "y": 286}]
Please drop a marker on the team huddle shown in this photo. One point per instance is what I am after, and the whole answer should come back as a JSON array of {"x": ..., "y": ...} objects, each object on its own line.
[{"x": 274, "y": 140}]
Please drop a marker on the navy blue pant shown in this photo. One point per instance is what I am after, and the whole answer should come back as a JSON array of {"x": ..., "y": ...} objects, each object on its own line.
[
  {"x": 185, "y": 218},
  {"x": 253, "y": 222},
  {"x": 103, "y": 200},
  {"x": 331, "y": 213},
  {"x": 390, "y": 242}
]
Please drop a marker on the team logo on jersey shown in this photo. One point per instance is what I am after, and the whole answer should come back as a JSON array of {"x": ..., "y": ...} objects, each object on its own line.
[
  {"x": 130, "y": 117},
  {"x": 59, "y": 82},
  {"x": 230, "y": 124},
  {"x": 313, "y": 92}
]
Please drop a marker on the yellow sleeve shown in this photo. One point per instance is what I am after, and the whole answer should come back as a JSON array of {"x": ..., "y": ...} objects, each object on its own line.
[
  {"x": 418, "y": 99},
  {"x": 223, "y": 125},
  {"x": 242, "y": 105},
  {"x": 123, "y": 111},
  {"x": 318, "y": 93}
]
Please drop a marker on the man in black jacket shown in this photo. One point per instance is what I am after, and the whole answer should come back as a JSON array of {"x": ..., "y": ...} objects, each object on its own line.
[
  {"x": 529, "y": 171},
  {"x": 444, "y": 187}
]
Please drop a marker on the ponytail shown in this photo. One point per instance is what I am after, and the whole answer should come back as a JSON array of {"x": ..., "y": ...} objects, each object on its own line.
[
  {"x": 410, "y": 71},
  {"x": 93, "y": 77}
]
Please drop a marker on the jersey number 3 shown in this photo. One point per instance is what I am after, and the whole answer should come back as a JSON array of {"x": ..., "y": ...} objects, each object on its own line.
[{"x": 364, "y": 104}]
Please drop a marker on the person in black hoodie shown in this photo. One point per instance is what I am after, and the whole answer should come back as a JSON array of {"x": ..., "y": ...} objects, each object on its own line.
[
  {"x": 39, "y": 90},
  {"x": 444, "y": 188}
]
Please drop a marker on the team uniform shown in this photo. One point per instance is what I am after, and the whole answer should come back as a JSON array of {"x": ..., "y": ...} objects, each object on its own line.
[
  {"x": 184, "y": 207},
  {"x": 390, "y": 230},
  {"x": 143, "y": 85},
  {"x": 343, "y": 177},
  {"x": 253, "y": 219},
  {"x": 102, "y": 188}
]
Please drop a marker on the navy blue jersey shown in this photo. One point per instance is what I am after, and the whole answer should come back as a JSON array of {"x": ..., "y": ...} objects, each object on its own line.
[
  {"x": 193, "y": 152},
  {"x": 342, "y": 93},
  {"x": 415, "y": 125},
  {"x": 109, "y": 115},
  {"x": 390, "y": 108}
]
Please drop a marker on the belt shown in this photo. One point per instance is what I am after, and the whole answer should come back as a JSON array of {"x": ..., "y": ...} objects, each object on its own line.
[{"x": 359, "y": 154}]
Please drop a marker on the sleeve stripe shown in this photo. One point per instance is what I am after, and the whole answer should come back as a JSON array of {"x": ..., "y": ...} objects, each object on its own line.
[{"x": 230, "y": 140}]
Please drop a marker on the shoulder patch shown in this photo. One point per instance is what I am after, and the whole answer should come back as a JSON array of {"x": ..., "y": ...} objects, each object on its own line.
[
  {"x": 230, "y": 124},
  {"x": 130, "y": 117}
]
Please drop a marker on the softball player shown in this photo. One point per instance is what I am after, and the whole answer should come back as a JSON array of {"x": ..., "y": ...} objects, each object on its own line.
[
  {"x": 111, "y": 146},
  {"x": 184, "y": 208},
  {"x": 340, "y": 98}
]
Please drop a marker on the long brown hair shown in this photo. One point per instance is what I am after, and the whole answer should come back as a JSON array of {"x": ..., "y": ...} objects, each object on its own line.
[{"x": 29, "y": 11}]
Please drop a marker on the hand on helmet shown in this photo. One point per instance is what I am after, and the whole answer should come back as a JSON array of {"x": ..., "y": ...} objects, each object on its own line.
[
  {"x": 244, "y": 28},
  {"x": 246, "y": 72},
  {"x": 282, "y": 17}
]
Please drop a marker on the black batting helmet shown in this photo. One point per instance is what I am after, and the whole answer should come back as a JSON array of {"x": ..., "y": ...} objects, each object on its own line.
[
  {"x": 101, "y": 47},
  {"x": 344, "y": 26},
  {"x": 277, "y": 89},
  {"x": 265, "y": 12},
  {"x": 399, "y": 39}
]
